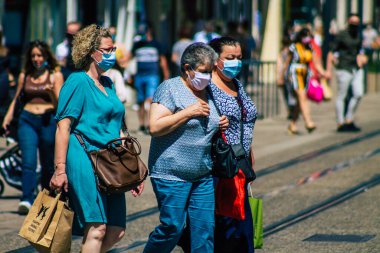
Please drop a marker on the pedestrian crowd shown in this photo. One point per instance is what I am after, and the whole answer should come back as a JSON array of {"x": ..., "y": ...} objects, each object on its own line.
[
  {"x": 301, "y": 69},
  {"x": 82, "y": 90}
]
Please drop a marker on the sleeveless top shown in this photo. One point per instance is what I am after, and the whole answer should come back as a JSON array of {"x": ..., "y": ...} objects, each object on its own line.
[
  {"x": 301, "y": 54},
  {"x": 35, "y": 93}
]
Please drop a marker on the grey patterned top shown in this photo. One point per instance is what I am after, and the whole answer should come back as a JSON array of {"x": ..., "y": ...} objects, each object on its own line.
[{"x": 184, "y": 154}]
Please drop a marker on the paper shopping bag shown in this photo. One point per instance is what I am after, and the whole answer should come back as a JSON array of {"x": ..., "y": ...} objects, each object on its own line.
[
  {"x": 256, "y": 205},
  {"x": 40, "y": 214},
  {"x": 327, "y": 92},
  {"x": 56, "y": 238}
]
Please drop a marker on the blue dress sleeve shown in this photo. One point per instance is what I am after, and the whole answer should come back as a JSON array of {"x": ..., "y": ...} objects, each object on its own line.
[
  {"x": 164, "y": 96},
  {"x": 71, "y": 98}
]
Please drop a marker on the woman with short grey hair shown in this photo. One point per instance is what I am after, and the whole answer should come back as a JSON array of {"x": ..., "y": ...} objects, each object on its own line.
[{"x": 183, "y": 119}]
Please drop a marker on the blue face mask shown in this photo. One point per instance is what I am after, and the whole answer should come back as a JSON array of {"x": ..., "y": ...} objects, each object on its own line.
[
  {"x": 43, "y": 65},
  {"x": 108, "y": 60},
  {"x": 231, "y": 68}
]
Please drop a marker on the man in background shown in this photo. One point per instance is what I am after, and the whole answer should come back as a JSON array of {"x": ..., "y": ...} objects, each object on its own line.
[
  {"x": 63, "y": 49},
  {"x": 150, "y": 61},
  {"x": 348, "y": 57}
]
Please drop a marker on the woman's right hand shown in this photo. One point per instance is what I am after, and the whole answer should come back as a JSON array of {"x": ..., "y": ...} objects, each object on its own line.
[
  {"x": 59, "y": 181},
  {"x": 6, "y": 122},
  {"x": 200, "y": 108}
]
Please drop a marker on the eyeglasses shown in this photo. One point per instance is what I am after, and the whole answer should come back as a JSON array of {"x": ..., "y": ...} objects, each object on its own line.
[{"x": 107, "y": 50}]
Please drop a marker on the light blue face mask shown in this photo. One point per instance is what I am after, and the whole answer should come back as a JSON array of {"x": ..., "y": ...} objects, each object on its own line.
[
  {"x": 231, "y": 68},
  {"x": 108, "y": 60},
  {"x": 43, "y": 65}
]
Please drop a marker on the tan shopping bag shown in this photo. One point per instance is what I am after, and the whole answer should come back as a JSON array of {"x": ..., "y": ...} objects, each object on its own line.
[
  {"x": 327, "y": 92},
  {"x": 48, "y": 224}
]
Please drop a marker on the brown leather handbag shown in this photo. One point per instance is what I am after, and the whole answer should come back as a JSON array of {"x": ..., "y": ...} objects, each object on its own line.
[{"x": 118, "y": 167}]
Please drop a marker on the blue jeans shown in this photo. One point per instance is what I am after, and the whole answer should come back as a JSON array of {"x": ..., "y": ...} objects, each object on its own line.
[
  {"x": 36, "y": 132},
  {"x": 179, "y": 202},
  {"x": 145, "y": 86}
]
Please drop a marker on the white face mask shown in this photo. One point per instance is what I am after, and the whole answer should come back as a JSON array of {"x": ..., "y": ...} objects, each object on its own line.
[{"x": 200, "y": 80}]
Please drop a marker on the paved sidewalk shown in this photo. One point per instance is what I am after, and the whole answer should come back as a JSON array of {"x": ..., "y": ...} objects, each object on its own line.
[{"x": 271, "y": 141}]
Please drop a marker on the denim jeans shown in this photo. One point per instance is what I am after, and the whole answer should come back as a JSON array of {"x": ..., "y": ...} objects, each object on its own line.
[
  {"x": 145, "y": 86},
  {"x": 36, "y": 132},
  {"x": 181, "y": 202}
]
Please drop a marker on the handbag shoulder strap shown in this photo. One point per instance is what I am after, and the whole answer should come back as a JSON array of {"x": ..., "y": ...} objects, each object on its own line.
[
  {"x": 125, "y": 129},
  {"x": 81, "y": 141},
  {"x": 217, "y": 109},
  {"x": 240, "y": 104}
]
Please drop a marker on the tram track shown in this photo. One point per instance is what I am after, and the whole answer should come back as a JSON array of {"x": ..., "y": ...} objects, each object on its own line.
[
  {"x": 314, "y": 154},
  {"x": 315, "y": 209},
  {"x": 283, "y": 223},
  {"x": 304, "y": 214},
  {"x": 293, "y": 219}
]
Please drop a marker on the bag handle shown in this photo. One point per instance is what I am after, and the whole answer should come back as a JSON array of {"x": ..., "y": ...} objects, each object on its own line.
[
  {"x": 250, "y": 189},
  {"x": 128, "y": 138},
  {"x": 50, "y": 193}
]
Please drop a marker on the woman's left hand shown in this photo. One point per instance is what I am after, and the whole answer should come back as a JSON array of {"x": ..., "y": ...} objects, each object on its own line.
[
  {"x": 138, "y": 190},
  {"x": 223, "y": 123}
]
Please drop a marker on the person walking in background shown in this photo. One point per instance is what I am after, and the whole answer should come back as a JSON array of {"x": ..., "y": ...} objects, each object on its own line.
[
  {"x": 150, "y": 59},
  {"x": 88, "y": 106},
  {"x": 232, "y": 235},
  {"x": 121, "y": 51},
  {"x": 349, "y": 59},
  {"x": 182, "y": 114},
  {"x": 207, "y": 33},
  {"x": 317, "y": 70},
  {"x": 282, "y": 77},
  {"x": 299, "y": 57},
  {"x": 118, "y": 81},
  {"x": 179, "y": 47},
  {"x": 39, "y": 85},
  {"x": 63, "y": 49},
  {"x": 5, "y": 81},
  {"x": 369, "y": 38},
  {"x": 248, "y": 47}
]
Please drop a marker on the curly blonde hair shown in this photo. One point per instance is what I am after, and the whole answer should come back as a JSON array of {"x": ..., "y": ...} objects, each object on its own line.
[{"x": 85, "y": 42}]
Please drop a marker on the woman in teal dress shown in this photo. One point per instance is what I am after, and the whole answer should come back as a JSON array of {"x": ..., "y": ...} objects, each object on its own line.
[{"x": 88, "y": 106}]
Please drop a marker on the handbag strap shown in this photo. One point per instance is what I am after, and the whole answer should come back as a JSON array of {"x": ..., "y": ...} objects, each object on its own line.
[
  {"x": 81, "y": 141},
  {"x": 250, "y": 189},
  {"x": 124, "y": 128},
  {"x": 218, "y": 111},
  {"x": 240, "y": 103}
]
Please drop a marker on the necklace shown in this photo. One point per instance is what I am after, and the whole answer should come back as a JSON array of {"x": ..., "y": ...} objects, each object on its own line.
[{"x": 96, "y": 82}]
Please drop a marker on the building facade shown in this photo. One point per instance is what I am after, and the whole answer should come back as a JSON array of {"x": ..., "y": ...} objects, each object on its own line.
[{"x": 26, "y": 20}]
